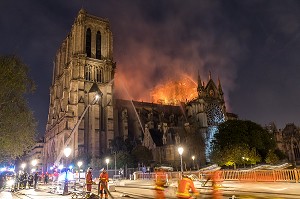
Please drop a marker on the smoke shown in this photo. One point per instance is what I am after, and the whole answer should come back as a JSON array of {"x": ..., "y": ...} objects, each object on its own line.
[{"x": 153, "y": 45}]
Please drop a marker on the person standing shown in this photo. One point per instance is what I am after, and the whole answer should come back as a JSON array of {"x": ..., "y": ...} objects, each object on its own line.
[
  {"x": 30, "y": 180},
  {"x": 160, "y": 182},
  {"x": 25, "y": 180},
  {"x": 216, "y": 184},
  {"x": 185, "y": 186},
  {"x": 35, "y": 178},
  {"x": 46, "y": 178},
  {"x": 103, "y": 181},
  {"x": 89, "y": 181}
]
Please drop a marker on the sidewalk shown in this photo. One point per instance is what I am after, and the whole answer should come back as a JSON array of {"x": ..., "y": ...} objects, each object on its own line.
[
  {"x": 40, "y": 192},
  {"x": 119, "y": 188},
  {"x": 47, "y": 191}
]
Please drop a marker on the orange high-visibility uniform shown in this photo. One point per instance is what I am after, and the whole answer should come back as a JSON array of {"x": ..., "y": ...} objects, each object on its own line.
[
  {"x": 216, "y": 181},
  {"x": 160, "y": 181},
  {"x": 104, "y": 179},
  {"x": 184, "y": 187},
  {"x": 89, "y": 181}
]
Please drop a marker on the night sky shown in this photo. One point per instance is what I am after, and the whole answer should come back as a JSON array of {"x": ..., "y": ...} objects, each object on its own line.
[{"x": 252, "y": 46}]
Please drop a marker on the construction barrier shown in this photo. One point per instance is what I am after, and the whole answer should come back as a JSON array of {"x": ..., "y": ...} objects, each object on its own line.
[{"x": 282, "y": 175}]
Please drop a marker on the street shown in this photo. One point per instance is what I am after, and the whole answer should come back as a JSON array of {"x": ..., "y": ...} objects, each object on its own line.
[{"x": 144, "y": 189}]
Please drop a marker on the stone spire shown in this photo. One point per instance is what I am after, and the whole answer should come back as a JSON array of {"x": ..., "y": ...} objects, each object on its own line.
[
  {"x": 200, "y": 87},
  {"x": 220, "y": 87}
]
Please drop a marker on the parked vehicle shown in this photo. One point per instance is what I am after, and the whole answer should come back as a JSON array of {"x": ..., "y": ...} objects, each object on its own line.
[{"x": 8, "y": 180}]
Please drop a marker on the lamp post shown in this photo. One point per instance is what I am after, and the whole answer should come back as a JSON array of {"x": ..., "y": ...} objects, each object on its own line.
[
  {"x": 193, "y": 157},
  {"x": 23, "y": 165},
  {"x": 107, "y": 161},
  {"x": 180, "y": 151},
  {"x": 244, "y": 161},
  {"x": 67, "y": 152},
  {"x": 115, "y": 163},
  {"x": 79, "y": 164},
  {"x": 34, "y": 163}
]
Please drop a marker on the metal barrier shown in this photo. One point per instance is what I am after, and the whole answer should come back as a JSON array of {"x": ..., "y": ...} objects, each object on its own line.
[
  {"x": 286, "y": 175},
  {"x": 283, "y": 175}
]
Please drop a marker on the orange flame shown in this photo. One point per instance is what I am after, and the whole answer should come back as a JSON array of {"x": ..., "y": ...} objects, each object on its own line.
[{"x": 174, "y": 92}]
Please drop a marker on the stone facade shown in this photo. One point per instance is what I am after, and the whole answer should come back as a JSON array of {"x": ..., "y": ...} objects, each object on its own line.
[
  {"x": 84, "y": 68},
  {"x": 288, "y": 141}
]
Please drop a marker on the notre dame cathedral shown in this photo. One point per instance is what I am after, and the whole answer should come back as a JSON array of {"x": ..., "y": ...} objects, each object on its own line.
[{"x": 85, "y": 115}]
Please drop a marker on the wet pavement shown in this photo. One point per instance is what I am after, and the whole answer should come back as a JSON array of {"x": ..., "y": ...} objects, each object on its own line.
[{"x": 123, "y": 188}]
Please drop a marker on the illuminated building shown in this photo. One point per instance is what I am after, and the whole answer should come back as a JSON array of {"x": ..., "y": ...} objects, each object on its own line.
[
  {"x": 84, "y": 67},
  {"x": 287, "y": 140}
]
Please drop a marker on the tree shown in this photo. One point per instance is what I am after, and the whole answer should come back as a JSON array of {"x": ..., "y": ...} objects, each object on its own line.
[
  {"x": 254, "y": 157},
  {"x": 235, "y": 155},
  {"x": 272, "y": 158},
  {"x": 124, "y": 158},
  {"x": 142, "y": 154},
  {"x": 17, "y": 123},
  {"x": 239, "y": 132}
]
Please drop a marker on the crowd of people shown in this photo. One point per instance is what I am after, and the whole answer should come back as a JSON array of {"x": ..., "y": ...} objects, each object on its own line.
[
  {"x": 22, "y": 180},
  {"x": 186, "y": 188}
]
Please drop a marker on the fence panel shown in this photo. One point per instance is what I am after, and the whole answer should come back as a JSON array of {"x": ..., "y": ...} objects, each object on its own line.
[{"x": 284, "y": 175}]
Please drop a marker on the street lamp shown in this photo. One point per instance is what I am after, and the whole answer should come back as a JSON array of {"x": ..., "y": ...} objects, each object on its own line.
[
  {"x": 193, "y": 157},
  {"x": 34, "y": 163},
  {"x": 107, "y": 161},
  {"x": 67, "y": 152},
  {"x": 79, "y": 164},
  {"x": 244, "y": 161},
  {"x": 244, "y": 158},
  {"x": 115, "y": 163},
  {"x": 180, "y": 151},
  {"x": 23, "y": 165}
]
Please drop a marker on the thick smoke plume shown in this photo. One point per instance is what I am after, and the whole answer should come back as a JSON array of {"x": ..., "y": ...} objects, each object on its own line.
[{"x": 169, "y": 43}]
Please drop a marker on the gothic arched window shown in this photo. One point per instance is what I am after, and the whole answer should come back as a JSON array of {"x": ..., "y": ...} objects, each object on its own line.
[
  {"x": 88, "y": 72},
  {"x": 296, "y": 151},
  {"x": 98, "y": 75},
  {"x": 98, "y": 45},
  {"x": 88, "y": 41}
]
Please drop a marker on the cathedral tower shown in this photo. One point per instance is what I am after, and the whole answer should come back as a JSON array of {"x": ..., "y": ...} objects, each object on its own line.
[
  {"x": 207, "y": 111},
  {"x": 83, "y": 69}
]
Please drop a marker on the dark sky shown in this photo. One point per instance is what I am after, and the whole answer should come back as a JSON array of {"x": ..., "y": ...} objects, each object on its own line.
[{"x": 252, "y": 45}]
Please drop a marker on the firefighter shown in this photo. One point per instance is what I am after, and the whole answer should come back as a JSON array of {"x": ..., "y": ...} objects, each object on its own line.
[
  {"x": 35, "y": 179},
  {"x": 103, "y": 181},
  {"x": 160, "y": 182},
  {"x": 184, "y": 187},
  {"x": 30, "y": 181},
  {"x": 216, "y": 183},
  {"x": 23, "y": 180},
  {"x": 89, "y": 181}
]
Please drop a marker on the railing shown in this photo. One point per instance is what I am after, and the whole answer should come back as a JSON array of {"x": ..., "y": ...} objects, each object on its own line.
[{"x": 284, "y": 175}]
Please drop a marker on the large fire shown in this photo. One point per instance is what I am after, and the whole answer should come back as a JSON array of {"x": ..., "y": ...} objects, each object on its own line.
[{"x": 174, "y": 92}]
